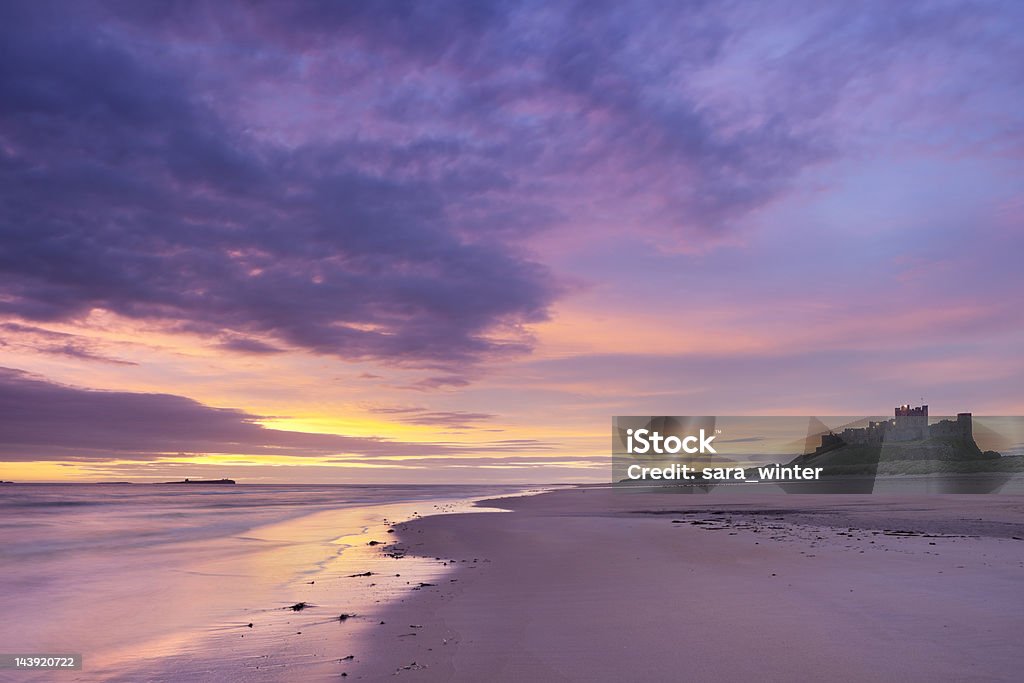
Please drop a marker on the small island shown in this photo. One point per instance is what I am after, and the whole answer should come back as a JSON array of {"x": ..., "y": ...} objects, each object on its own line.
[{"x": 203, "y": 481}]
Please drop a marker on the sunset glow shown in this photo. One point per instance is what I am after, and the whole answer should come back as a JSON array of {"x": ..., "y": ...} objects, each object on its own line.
[{"x": 449, "y": 244}]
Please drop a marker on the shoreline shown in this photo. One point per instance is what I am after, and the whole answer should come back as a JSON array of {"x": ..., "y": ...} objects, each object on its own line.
[
  {"x": 311, "y": 624},
  {"x": 594, "y": 584},
  {"x": 211, "y": 597}
]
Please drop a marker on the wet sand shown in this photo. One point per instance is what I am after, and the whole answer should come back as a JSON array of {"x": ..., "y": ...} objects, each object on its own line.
[
  {"x": 597, "y": 585},
  {"x": 220, "y": 609}
]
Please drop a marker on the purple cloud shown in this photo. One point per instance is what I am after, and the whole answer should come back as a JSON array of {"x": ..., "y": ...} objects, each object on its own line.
[
  {"x": 127, "y": 192},
  {"x": 43, "y": 420},
  {"x": 364, "y": 179},
  {"x": 451, "y": 419},
  {"x": 138, "y": 426},
  {"x": 40, "y": 340}
]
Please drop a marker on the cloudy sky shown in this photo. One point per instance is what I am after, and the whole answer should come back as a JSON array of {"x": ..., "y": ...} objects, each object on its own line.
[{"x": 431, "y": 241}]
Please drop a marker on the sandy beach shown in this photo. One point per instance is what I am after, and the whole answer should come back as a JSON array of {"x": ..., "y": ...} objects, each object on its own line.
[
  {"x": 598, "y": 585},
  {"x": 573, "y": 584}
]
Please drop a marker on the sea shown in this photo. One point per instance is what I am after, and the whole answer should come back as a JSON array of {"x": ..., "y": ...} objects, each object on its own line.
[{"x": 200, "y": 581}]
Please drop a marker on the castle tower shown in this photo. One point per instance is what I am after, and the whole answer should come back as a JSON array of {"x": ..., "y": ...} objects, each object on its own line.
[
  {"x": 911, "y": 424},
  {"x": 965, "y": 423}
]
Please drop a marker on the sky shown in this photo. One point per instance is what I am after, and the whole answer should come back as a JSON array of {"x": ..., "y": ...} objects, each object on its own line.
[{"x": 448, "y": 241}]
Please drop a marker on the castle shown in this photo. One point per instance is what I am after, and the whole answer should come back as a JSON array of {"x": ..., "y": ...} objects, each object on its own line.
[{"x": 908, "y": 424}]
